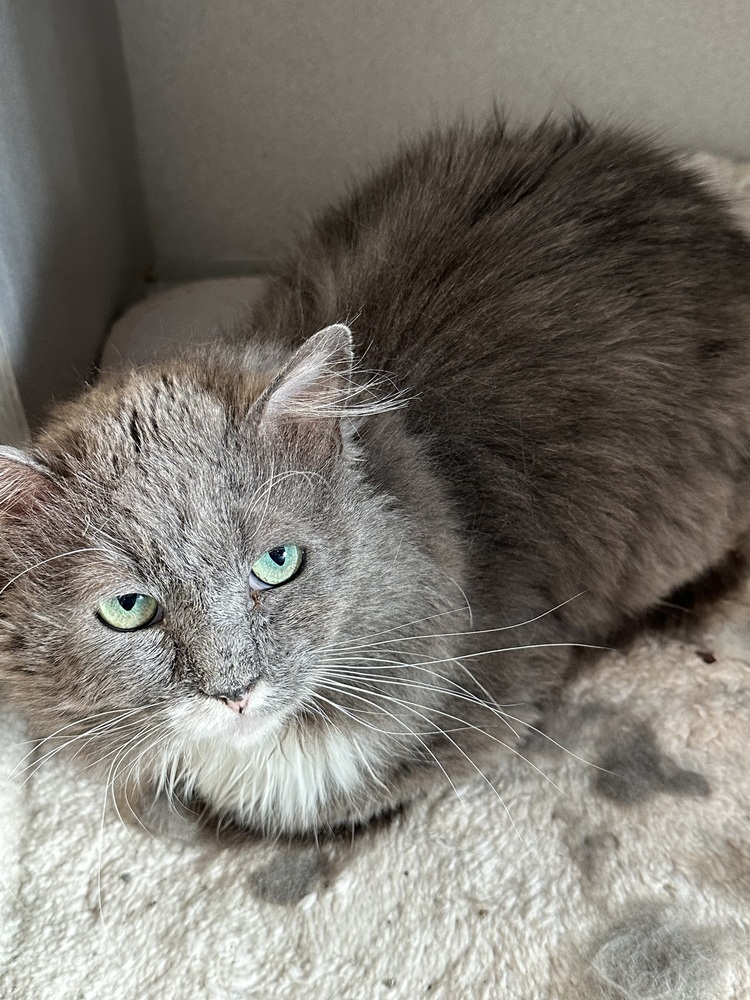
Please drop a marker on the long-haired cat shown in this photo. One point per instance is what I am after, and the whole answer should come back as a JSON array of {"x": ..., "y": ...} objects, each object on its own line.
[{"x": 494, "y": 405}]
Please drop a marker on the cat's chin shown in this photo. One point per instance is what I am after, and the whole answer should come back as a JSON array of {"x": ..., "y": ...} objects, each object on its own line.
[{"x": 248, "y": 729}]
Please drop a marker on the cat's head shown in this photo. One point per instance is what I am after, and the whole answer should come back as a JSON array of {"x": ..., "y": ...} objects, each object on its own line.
[{"x": 189, "y": 551}]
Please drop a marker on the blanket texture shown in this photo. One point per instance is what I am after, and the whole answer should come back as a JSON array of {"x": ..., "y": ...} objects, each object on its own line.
[{"x": 617, "y": 867}]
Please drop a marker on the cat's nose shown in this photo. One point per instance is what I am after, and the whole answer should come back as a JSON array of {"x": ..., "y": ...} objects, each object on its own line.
[{"x": 236, "y": 698}]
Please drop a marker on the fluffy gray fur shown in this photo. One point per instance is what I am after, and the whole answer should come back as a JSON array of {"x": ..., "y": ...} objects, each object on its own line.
[
  {"x": 652, "y": 957},
  {"x": 538, "y": 427}
]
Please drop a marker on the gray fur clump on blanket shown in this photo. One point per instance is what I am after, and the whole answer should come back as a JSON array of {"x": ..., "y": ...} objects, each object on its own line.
[{"x": 617, "y": 867}]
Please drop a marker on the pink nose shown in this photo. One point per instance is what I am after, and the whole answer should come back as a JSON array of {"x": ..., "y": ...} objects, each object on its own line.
[{"x": 239, "y": 706}]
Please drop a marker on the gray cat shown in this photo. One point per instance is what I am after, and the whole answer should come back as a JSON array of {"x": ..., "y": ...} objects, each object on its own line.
[{"x": 494, "y": 406}]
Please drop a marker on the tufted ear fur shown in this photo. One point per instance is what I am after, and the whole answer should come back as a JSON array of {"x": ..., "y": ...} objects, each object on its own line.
[
  {"x": 316, "y": 383},
  {"x": 25, "y": 484},
  {"x": 321, "y": 384}
]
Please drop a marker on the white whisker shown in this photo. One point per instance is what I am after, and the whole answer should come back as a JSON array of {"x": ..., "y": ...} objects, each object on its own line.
[
  {"x": 460, "y": 749},
  {"x": 417, "y": 621},
  {"x": 463, "y": 693},
  {"x": 413, "y": 706},
  {"x": 408, "y": 730},
  {"x": 500, "y": 649},
  {"x": 451, "y": 635}
]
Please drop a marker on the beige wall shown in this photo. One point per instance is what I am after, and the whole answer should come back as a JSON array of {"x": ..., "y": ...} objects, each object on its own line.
[{"x": 250, "y": 114}]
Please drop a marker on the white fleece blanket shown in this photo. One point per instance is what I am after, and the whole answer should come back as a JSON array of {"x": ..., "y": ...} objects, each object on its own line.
[{"x": 616, "y": 868}]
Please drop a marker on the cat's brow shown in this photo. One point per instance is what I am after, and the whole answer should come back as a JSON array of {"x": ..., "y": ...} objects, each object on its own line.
[{"x": 43, "y": 562}]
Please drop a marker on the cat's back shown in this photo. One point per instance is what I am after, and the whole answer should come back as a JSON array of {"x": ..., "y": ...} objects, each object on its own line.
[
  {"x": 478, "y": 250},
  {"x": 570, "y": 309}
]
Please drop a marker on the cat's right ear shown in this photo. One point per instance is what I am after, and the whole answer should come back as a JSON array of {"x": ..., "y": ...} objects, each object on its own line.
[{"x": 25, "y": 484}]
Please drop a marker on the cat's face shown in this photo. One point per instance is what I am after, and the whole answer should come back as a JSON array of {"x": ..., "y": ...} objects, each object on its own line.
[{"x": 188, "y": 554}]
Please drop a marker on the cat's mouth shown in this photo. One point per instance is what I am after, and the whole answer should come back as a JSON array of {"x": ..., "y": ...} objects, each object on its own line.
[
  {"x": 246, "y": 701},
  {"x": 239, "y": 702},
  {"x": 250, "y": 717},
  {"x": 246, "y": 714}
]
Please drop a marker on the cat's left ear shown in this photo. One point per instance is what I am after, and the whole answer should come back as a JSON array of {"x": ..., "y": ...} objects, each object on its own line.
[
  {"x": 315, "y": 385},
  {"x": 25, "y": 484}
]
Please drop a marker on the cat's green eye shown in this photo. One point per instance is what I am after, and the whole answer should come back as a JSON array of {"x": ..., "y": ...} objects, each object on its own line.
[
  {"x": 276, "y": 566},
  {"x": 128, "y": 612}
]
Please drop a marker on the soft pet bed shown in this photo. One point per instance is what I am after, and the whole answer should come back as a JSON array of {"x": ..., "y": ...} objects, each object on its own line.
[{"x": 617, "y": 867}]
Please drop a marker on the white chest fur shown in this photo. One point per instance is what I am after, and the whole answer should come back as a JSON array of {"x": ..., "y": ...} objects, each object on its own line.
[{"x": 282, "y": 781}]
